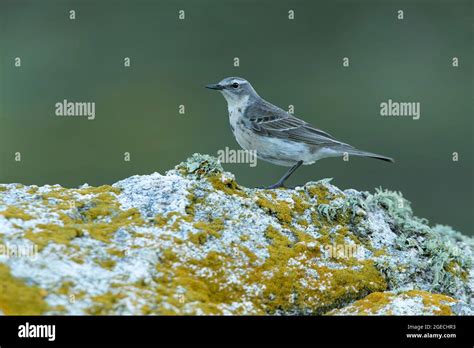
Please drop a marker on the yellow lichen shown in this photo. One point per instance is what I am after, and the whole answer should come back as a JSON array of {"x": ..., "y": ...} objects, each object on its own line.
[
  {"x": 32, "y": 190},
  {"x": 205, "y": 292},
  {"x": 303, "y": 222},
  {"x": 105, "y": 303},
  {"x": 280, "y": 209},
  {"x": 378, "y": 302},
  {"x": 229, "y": 186},
  {"x": 370, "y": 304},
  {"x": 107, "y": 264},
  {"x": 160, "y": 221},
  {"x": 104, "y": 231},
  {"x": 64, "y": 198},
  {"x": 244, "y": 237},
  {"x": 77, "y": 259},
  {"x": 116, "y": 252},
  {"x": 53, "y": 233},
  {"x": 206, "y": 230},
  {"x": 455, "y": 268},
  {"x": 17, "y": 298},
  {"x": 190, "y": 208},
  {"x": 441, "y": 302},
  {"x": 300, "y": 204},
  {"x": 101, "y": 220},
  {"x": 65, "y": 287},
  {"x": 203, "y": 283},
  {"x": 380, "y": 252},
  {"x": 321, "y": 193},
  {"x": 13, "y": 212},
  {"x": 284, "y": 291}
]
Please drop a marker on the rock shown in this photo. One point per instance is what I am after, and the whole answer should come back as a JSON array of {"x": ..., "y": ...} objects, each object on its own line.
[
  {"x": 412, "y": 302},
  {"x": 193, "y": 241}
]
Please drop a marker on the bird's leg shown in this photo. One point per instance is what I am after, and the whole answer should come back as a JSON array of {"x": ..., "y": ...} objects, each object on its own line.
[{"x": 286, "y": 176}]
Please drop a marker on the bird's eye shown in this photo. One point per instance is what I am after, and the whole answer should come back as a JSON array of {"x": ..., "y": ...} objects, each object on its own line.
[{"x": 235, "y": 85}]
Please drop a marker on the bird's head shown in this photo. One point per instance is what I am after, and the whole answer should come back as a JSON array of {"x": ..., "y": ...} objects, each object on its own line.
[{"x": 234, "y": 89}]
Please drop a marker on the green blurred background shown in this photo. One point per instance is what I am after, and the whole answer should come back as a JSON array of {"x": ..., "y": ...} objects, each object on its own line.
[{"x": 296, "y": 62}]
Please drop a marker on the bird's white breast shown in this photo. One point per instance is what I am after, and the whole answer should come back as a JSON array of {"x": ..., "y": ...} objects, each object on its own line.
[{"x": 236, "y": 109}]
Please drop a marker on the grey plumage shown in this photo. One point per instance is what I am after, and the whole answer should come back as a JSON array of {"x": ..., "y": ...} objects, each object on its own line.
[
  {"x": 277, "y": 136},
  {"x": 269, "y": 120}
]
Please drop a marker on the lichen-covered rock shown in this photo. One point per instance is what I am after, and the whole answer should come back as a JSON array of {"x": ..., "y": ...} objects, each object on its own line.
[
  {"x": 193, "y": 241},
  {"x": 412, "y": 302}
]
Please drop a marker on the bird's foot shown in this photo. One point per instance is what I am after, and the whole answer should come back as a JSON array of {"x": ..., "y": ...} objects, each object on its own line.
[
  {"x": 271, "y": 187},
  {"x": 277, "y": 185}
]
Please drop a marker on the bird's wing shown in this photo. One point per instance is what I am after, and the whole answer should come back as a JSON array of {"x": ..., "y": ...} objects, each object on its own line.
[{"x": 275, "y": 122}]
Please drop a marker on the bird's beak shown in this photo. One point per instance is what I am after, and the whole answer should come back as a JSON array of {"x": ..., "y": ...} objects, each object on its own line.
[{"x": 216, "y": 86}]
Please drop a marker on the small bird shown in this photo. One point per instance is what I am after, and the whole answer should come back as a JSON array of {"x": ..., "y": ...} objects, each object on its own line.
[{"x": 277, "y": 136}]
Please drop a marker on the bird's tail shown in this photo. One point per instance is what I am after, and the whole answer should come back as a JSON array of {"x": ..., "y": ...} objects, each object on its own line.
[{"x": 356, "y": 152}]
